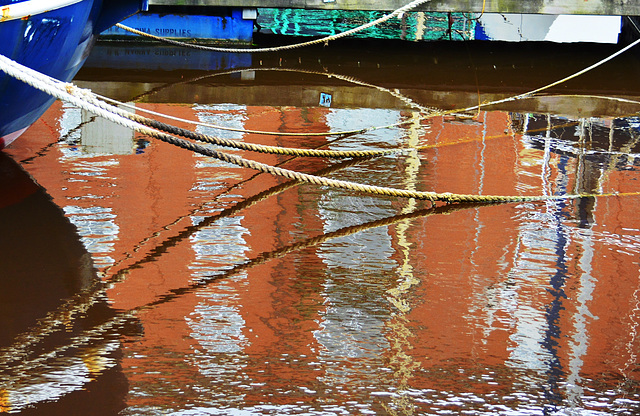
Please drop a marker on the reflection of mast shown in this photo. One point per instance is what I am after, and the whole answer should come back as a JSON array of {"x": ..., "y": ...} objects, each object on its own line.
[
  {"x": 585, "y": 183},
  {"x": 546, "y": 170},
  {"x": 538, "y": 333},
  {"x": 579, "y": 343},
  {"x": 634, "y": 317},
  {"x": 400, "y": 333},
  {"x": 588, "y": 174},
  {"x": 552, "y": 335}
]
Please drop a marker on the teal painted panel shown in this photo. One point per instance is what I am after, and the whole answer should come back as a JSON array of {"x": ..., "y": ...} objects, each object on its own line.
[{"x": 412, "y": 26}]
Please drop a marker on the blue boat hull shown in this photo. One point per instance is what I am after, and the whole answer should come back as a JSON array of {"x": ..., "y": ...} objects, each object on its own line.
[{"x": 56, "y": 43}]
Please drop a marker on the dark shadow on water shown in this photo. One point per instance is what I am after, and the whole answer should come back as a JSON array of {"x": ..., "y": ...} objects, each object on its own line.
[{"x": 45, "y": 268}]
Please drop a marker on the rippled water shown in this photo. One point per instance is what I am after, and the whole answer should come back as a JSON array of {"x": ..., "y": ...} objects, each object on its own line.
[{"x": 158, "y": 281}]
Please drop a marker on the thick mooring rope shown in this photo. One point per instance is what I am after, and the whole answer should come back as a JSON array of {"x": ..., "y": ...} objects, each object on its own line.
[
  {"x": 324, "y": 40},
  {"x": 74, "y": 95},
  {"x": 558, "y": 82},
  {"x": 259, "y": 148},
  {"x": 89, "y": 97}
]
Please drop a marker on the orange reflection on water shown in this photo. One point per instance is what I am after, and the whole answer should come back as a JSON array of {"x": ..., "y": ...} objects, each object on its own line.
[{"x": 317, "y": 300}]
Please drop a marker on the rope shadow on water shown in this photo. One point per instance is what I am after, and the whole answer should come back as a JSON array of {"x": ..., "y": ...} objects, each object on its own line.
[
  {"x": 13, "y": 356},
  {"x": 155, "y": 252},
  {"x": 78, "y": 305},
  {"x": 305, "y": 244}
]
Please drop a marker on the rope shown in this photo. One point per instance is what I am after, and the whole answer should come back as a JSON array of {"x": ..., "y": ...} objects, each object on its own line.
[
  {"x": 178, "y": 131},
  {"x": 432, "y": 111},
  {"x": 15, "y": 358},
  {"x": 89, "y": 97},
  {"x": 257, "y": 147},
  {"x": 484, "y": 4},
  {"x": 63, "y": 91},
  {"x": 324, "y": 40},
  {"x": 561, "y": 81},
  {"x": 73, "y": 94}
]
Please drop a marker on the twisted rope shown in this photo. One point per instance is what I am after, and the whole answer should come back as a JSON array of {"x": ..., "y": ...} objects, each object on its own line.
[
  {"x": 74, "y": 95},
  {"x": 431, "y": 112},
  {"x": 258, "y": 147},
  {"x": 90, "y": 98},
  {"x": 324, "y": 40}
]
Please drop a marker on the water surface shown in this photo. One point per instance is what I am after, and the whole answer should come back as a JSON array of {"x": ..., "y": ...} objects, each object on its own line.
[{"x": 190, "y": 286}]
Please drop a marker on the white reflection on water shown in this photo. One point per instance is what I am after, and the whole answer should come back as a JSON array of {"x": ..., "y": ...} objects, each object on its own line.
[
  {"x": 361, "y": 118},
  {"x": 352, "y": 330},
  {"x": 216, "y": 322},
  {"x": 217, "y": 326},
  {"x": 98, "y": 228},
  {"x": 580, "y": 340},
  {"x": 220, "y": 245},
  {"x": 228, "y": 115}
]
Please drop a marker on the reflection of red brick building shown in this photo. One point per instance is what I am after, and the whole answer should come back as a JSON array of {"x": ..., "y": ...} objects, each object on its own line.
[{"x": 484, "y": 294}]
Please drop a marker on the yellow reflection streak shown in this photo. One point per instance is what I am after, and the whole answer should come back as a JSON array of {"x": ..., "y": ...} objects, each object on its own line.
[{"x": 400, "y": 335}]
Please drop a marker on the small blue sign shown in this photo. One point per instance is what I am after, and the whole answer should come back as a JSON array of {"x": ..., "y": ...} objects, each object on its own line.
[{"x": 325, "y": 99}]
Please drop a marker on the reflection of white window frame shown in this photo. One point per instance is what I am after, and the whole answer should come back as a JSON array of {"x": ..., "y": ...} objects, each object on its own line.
[
  {"x": 228, "y": 115},
  {"x": 97, "y": 135},
  {"x": 348, "y": 332},
  {"x": 216, "y": 322},
  {"x": 105, "y": 136}
]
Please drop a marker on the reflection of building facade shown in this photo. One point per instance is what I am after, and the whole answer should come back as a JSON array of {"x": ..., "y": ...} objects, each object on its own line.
[{"x": 407, "y": 316}]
